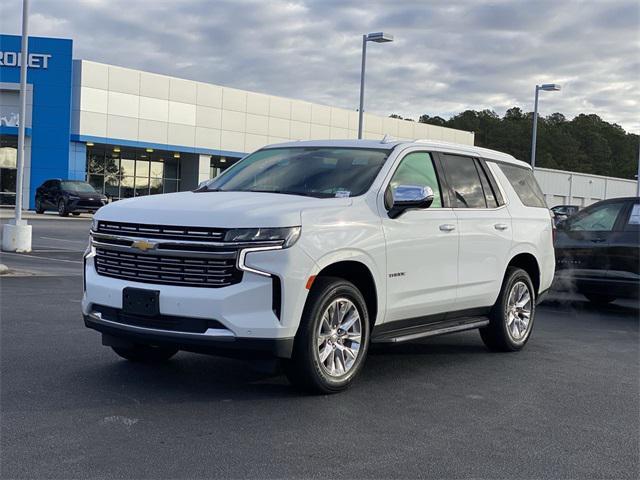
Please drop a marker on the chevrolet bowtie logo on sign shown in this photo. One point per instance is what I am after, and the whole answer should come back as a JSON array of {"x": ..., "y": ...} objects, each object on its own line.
[{"x": 143, "y": 245}]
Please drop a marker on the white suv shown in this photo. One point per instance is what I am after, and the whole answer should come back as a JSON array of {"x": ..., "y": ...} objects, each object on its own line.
[{"x": 310, "y": 251}]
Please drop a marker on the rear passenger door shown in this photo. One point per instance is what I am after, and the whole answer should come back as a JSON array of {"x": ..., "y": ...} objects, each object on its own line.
[{"x": 485, "y": 230}]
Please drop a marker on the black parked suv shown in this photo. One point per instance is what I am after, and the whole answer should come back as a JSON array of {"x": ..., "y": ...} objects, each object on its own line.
[
  {"x": 562, "y": 212},
  {"x": 598, "y": 250},
  {"x": 68, "y": 196}
]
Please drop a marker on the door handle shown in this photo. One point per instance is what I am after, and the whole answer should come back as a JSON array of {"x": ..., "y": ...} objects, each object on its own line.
[
  {"x": 447, "y": 227},
  {"x": 501, "y": 226},
  {"x": 598, "y": 240}
]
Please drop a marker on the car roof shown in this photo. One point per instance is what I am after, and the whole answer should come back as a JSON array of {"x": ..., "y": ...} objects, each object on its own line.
[{"x": 390, "y": 144}]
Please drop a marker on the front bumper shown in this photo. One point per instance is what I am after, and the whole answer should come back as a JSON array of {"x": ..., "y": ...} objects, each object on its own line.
[
  {"x": 243, "y": 312},
  {"x": 213, "y": 341},
  {"x": 85, "y": 206}
]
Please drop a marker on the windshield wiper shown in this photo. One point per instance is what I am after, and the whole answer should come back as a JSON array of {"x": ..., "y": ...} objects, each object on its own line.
[{"x": 283, "y": 192}]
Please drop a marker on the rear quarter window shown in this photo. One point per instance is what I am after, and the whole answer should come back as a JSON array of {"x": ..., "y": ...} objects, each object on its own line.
[{"x": 525, "y": 185}]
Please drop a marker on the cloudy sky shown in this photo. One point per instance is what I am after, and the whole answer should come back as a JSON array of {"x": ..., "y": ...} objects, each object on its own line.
[{"x": 447, "y": 56}]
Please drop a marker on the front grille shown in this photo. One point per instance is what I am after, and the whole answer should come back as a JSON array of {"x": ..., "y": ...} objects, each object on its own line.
[
  {"x": 89, "y": 203},
  {"x": 164, "y": 232},
  {"x": 172, "y": 323},
  {"x": 209, "y": 272}
]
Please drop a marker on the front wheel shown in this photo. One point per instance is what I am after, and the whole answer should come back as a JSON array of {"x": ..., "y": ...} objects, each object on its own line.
[
  {"x": 62, "y": 208},
  {"x": 39, "y": 207},
  {"x": 333, "y": 338},
  {"x": 145, "y": 353},
  {"x": 511, "y": 318}
]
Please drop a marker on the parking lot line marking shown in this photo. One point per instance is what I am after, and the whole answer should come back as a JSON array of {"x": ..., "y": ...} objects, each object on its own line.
[
  {"x": 65, "y": 240},
  {"x": 55, "y": 250},
  {"x": 37, "y": 257}
]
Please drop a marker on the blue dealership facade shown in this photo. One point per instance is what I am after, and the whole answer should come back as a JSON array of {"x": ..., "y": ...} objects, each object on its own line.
[{"x": 48, "y": 127}]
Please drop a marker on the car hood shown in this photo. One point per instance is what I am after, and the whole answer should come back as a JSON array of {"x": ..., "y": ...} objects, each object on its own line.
[{"x": 216, "y": 209}]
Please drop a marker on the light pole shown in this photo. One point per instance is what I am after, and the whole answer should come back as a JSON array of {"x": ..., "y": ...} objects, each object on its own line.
[
  {"x": 378, "y": 37},
  {"x": 547, "y": 87},
  {"x": 16, "y": 236}
]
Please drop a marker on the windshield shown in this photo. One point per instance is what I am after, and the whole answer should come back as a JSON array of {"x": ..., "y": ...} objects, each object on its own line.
[
  {"x": 77, "y": 187},
  {"x": 311, "y": 171}
]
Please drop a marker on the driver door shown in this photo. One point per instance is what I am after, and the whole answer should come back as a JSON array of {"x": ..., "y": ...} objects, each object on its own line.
[
  {"x": 421, "y": 247},
  {"x": 582, "y": 241}
]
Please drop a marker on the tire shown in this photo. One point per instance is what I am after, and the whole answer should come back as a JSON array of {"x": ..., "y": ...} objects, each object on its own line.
[
  {"x": 508, "y": 329},
  {"x": 62, "y": 208},
  {"x": 307, "y": 369},
  {"x": 39, "y": 207},
  {"x": 75, "y": 214},
  {"x": 145, "y": 353},
  {"x": 599, "y": 298}
]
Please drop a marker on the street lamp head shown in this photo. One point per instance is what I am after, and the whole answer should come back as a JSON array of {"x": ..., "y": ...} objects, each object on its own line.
[
  {"x": 379, "y": 37},
  {"x": 550, "y": 87}
]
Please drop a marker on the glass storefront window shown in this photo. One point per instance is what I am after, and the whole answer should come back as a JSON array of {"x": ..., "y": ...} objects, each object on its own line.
[
  {"x": 133, "y": 171},
  {"x": 126, "y": 187},
  {"x": 127, "y": 167},
  {"x": 95, "y": 161},
  {"x": 112, "y": 187},
  {"x": 8, "y": 160},
  {"x": 155, "y": 186},
  {"x": 142, "y": 168},
  {"x": 97, "y": 182},
  {"x": 170, "y": 186},
  {"x": 142, "y": 186},
  {"x": 157, "y": 169},
  {"x": 171, "y": 168}
]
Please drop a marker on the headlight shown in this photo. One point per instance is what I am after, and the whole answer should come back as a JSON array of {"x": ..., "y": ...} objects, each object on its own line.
[
  {"x": 94, "y": 225},
  {"x": 287, "y": 235}
]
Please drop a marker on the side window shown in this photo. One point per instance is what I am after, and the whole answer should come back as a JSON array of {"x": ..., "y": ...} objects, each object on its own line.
[
  {"x": 633, "y": 224},
  {"x": 525, "y": 185},
  {"x": 464, "y": 181},
  {"x": 417, "y": 169},
  {"x": 489, "y": 194},
  {"x": 601, "y": 218}
]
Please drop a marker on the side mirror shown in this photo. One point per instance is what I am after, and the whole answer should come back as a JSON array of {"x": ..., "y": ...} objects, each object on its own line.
[{"x": 406, "y": 197}]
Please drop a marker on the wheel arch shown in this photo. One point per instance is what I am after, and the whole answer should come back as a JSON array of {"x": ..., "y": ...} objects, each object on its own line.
[
  {"x": 527, "y": 262},
  {"x": 361, "y": 276}
]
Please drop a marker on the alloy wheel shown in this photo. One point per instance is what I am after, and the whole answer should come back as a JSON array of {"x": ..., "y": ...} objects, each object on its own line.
[
  {"x": 339, "y": 337},
  {"x": 519, "y": 311}
]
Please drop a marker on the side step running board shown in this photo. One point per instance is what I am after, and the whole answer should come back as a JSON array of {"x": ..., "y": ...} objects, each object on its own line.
[{"x": 432, "y": 332}]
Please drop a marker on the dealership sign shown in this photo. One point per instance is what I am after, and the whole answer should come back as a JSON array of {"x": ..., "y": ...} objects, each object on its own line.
[{"x": 36, "y": 60}]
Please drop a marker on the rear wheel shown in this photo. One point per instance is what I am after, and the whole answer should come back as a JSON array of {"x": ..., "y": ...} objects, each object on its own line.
[
  {"x": 145, "y": 353},
  {"x": 332, "y": 341},
  {"x": 511, "y": 318},
  {"x": 39, "y": 207},
  {"x": 62, "y": 208},
  {"x": 599, "y": 298}
]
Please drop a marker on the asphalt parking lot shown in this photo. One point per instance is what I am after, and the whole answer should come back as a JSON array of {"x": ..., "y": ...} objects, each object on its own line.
[{"x": 568, "y": 406}]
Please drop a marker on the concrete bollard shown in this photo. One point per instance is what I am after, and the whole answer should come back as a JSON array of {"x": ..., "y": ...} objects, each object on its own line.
[{"x": 16, "y": 238}]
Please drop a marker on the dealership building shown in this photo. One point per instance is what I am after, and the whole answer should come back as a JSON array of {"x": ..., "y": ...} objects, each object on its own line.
[{"x": 129, "y": 132}]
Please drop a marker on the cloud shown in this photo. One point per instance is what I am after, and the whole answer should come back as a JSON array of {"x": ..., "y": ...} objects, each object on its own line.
[{"x": 448, "y": 56}]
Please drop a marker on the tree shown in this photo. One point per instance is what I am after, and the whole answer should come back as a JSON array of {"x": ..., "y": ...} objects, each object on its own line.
[{"x": 585, "y": 143}]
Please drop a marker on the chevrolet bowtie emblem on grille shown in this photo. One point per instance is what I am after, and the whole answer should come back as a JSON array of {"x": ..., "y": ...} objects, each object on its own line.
[{"x": 143, "y": 245}]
